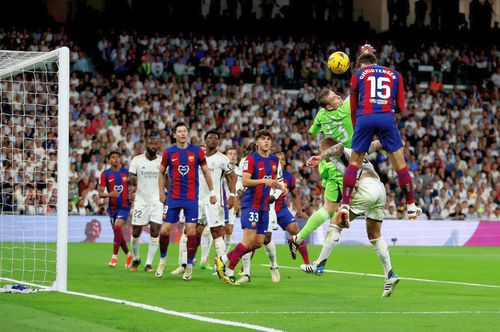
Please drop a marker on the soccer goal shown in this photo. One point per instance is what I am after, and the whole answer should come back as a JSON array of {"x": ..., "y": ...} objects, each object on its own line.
[{"x": 34, "y": 125}]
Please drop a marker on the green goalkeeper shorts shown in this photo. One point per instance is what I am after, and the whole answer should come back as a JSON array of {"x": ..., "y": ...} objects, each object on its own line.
[{"x": 333, "y": 192}]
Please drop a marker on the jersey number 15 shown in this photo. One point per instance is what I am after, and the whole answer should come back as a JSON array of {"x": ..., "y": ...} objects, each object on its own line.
[{"x": 379, "y": 87}]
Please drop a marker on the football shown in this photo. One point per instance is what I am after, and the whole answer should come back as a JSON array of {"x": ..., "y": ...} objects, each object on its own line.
[{"x": 338, "y": 62}]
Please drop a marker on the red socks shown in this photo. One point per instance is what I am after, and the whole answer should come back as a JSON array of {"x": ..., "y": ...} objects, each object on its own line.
[
  {"x": 350, "y": 178},
  {"x": 406, "y": 184}
]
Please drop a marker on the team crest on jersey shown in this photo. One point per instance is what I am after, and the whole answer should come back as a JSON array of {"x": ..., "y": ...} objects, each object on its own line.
[
  {"x": 183, "y": 169},
  {"x": 254, "y": 224},
  {"x": 191, "y": 158},
  {"x": 118, "y": 188},
  {"x": 267, "y": 177},
  {"x": 274, "y": 167}
]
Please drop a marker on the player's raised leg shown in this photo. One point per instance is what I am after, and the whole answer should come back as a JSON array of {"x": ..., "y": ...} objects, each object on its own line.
[
  {"x": 326, "y": 212},
  {"x": 405, "y": 181}
]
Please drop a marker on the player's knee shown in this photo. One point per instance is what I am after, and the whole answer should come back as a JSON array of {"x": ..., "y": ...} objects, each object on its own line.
[
  {"x": 293, "y": 228},
  {"x": 257, "y": 245},
  {"x": 217, "y": 232},
  {"x": 154, "y": 232},
  {"x": 373, "y": 234},
  {"x": 267, "y": 239}
]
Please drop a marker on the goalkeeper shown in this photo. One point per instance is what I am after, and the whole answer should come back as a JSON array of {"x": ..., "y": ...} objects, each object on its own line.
[{"x": 333, "y": 120}]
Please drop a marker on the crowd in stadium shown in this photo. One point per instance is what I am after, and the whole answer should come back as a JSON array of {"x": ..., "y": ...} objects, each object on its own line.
[{"x": 137, "y": 85}]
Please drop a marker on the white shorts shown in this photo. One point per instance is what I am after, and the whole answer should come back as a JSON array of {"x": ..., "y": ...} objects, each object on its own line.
[
  {"x": 273, "y": 219},
  {"x": 231, "y": 216},
  {"x": 369, "y": 199},
  {"x": 142, "y": 215},
  {"x": 211, "y": 215}
]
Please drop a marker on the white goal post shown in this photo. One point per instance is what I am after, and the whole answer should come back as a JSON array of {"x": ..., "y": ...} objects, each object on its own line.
[{"x": 34, "y": 146}]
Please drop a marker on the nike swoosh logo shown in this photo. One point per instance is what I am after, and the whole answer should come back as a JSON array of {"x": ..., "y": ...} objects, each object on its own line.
[
  {"x": 260, "y": 169},
  {"x": 111, "y": 180},
  {"x": 174, "y": 159}
]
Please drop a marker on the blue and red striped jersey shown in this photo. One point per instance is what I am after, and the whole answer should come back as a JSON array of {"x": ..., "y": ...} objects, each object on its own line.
[
  {"x": 116, "y": 181},
  {"x": 289, "y": 182},
  {"x": 259, "y": 168},
  {"x": 182, "y": 167},
  {"x": 376, "y": 89}
]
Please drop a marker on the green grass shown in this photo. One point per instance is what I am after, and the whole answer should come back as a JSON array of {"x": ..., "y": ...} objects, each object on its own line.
[{"x": 297, "y": 291}]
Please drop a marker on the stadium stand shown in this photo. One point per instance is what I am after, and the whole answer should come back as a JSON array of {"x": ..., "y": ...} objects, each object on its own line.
[{"x": 135, "y": 85}]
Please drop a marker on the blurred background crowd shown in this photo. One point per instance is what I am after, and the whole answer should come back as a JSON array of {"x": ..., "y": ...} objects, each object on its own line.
[{"x": 131, "y": 84}]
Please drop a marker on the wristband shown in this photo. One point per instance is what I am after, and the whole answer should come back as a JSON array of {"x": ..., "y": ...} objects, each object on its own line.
[
  {"x": 232, "y": 195},
  {"x": 212, "y": 193}
]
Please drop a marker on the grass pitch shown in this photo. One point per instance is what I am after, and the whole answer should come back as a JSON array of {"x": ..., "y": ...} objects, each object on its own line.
[{"x": 300, "y": 302}]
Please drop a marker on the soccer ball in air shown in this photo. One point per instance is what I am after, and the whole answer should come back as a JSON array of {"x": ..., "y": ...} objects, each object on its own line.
[{"x": 338, "y": 62}]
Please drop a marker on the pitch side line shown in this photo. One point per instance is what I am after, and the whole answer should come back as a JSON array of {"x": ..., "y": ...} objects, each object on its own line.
[
  {"x": 402, "y": 278},
  {"x": 176, "y": 313},
  {"x": 348, "y": 312}
]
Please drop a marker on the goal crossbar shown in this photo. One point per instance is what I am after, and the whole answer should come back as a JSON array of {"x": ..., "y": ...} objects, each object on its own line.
[{"x": 38, "y": 59}]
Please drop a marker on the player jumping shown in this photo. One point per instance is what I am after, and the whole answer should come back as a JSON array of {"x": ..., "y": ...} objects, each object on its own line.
[
  {"x": 376, "y": 92},
  {"x": 333, "y": 120},
  {"x": 369, "y": 199}
]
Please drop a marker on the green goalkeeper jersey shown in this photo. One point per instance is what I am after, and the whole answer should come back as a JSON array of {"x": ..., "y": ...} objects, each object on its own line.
[
  {"x": 336, "y": 124},
  {"x": 329, "y": 172}
]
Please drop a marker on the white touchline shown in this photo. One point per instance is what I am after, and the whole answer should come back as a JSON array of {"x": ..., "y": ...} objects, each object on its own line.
[
  {"x": 463, "y": 312},
  {"x": 402, "y": 278},
  {"x": 176, "y": 313}
]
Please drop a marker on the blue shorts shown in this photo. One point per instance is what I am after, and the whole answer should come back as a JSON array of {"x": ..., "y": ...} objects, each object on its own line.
[
  {"x": 171, "y": 214},
  {"x": 381, "y": 124},
  {"x": 119, "y": 214},
  {"x": 284, "y": 217},
  {"x": 255, "y": 219}
]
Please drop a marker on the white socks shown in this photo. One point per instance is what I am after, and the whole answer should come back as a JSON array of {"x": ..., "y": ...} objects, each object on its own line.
[
  {"x": 135, "y": 247},
  {"x": 382, "y": 251},
  {"x": 153, "y": 247},
  {"x": 245, "y": 260},
  {"x": 220, "y": 246},
  {"x": 227, "y": 239},
  {"x": 331, "y": 240},
  {"x": 206, "y": 242},
  {"x": 271, "y": 253},
  {"x": 183, "y": 249}
]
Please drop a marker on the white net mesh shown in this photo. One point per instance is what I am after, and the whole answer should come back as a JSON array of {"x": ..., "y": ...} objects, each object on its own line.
[{"x": 28, "y": 167}]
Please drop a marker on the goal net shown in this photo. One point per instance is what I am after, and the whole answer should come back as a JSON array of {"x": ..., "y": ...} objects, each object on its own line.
[{"x": 34, "y": 114}]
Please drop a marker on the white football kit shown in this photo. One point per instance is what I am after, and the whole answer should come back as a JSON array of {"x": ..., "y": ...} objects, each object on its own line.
[
  {"x": 213, "y": 214},
  {"x": 231, "y": 216},
  {"x": 369, "y": 196},
  {"x": 147, "y": 205}
]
